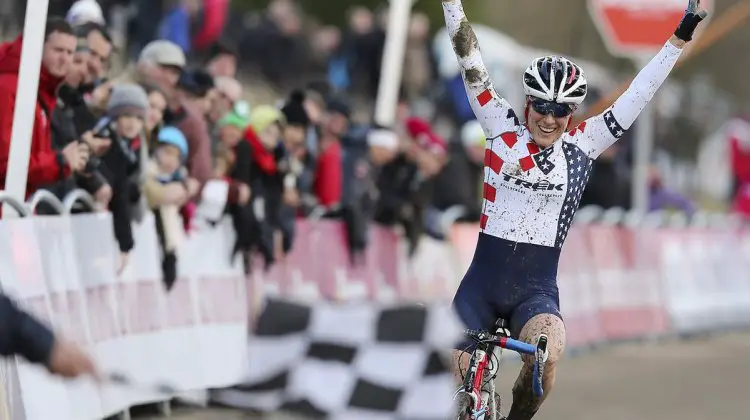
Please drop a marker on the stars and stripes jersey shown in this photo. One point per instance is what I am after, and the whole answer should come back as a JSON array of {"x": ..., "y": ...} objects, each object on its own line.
[{"x": 530, "y": 194}]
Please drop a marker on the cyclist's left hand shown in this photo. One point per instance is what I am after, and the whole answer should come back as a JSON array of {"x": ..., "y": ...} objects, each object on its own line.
[{"x": 694, "y": 15}]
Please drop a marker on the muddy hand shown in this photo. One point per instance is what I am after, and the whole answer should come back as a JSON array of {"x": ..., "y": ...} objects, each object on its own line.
[{"x": 694, "y": 14}]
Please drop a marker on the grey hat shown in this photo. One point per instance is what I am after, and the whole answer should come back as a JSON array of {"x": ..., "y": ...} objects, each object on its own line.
[
  {"x": 163, "y": 52},
  {"x": 127, "y": 98}
]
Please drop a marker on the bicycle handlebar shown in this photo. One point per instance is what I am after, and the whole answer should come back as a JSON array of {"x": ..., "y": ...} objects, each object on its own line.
[
  {"x": 504, "y": 342},
  {"x": 539, "y": 350}
]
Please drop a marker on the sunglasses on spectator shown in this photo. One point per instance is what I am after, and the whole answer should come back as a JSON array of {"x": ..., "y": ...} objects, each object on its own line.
[{"x": 557, "y": 110}]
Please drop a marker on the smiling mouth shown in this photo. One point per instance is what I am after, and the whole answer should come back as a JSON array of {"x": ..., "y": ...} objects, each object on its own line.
[{"x": 546, "y": 130}]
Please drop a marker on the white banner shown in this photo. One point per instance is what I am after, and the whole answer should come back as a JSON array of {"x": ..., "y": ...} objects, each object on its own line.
[{"x": 63, "y": 270}]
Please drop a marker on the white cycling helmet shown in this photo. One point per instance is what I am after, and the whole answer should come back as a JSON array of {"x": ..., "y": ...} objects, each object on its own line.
[{"x": 555, "y": 79}]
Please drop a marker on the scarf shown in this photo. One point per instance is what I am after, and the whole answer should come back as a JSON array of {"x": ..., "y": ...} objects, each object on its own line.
[{"x": 264, "y": 158}]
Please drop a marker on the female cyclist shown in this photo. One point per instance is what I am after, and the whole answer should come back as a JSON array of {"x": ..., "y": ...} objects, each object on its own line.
[{"x": 535, "y": 173}]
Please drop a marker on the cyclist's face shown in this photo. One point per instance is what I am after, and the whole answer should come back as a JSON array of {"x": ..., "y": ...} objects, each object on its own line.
[{"x": 546, "y": 129}]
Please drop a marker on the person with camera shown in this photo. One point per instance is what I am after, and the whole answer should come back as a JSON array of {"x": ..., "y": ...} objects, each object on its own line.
[
  {"x": 46, "y": 165},
  {"x": 72, "y": 122},
  {"x": 121, "y": 163}
]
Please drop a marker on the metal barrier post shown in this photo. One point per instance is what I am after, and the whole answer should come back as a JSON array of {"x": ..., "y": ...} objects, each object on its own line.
[
  {"x": 44, "y": 196},
  {"x": 78, "y": 196},
  {"x": 19, "y": 206}
]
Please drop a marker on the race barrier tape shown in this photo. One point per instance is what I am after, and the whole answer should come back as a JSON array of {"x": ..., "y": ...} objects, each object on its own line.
[{"x": 616, "y": 283}]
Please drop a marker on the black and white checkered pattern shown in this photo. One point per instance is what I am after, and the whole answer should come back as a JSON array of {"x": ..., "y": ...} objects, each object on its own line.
[{"x": 349, "y": 361}]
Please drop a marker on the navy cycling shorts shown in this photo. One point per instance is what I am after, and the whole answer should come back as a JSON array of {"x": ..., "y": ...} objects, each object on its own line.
[{"x": 509, "y": 280}]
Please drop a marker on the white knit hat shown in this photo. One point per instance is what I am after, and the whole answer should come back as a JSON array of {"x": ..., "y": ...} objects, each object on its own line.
[{"x": 85, "y": 11}]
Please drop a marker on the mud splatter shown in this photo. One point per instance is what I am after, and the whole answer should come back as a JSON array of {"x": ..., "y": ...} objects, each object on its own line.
[
  {"x": 525, "y": 403},
  {"x": 464, "y": 41},
  {"x": 460, "y": 365},
  {"x": 473, "y": 75}
]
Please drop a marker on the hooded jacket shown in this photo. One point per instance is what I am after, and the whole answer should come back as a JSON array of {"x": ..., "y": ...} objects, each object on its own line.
[{"x": 46, "y": 165}]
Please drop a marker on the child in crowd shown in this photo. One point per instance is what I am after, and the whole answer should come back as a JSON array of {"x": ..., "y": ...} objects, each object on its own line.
[
  {"x": 233, "y": 163},
  {"x": 166, "y": 190},
  {"x": 126, "y": 112}
]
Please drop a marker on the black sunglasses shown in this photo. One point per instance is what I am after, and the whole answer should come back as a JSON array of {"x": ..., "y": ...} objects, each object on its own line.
[{"x": 547, "y": 107}]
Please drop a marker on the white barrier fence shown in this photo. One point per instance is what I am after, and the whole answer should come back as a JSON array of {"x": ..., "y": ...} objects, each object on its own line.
[
  {"x": 616, "y": 282},
  {"x": 63, "y": 269}
]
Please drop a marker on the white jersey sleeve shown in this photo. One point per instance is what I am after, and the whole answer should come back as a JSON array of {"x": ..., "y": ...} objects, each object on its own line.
[
  {"x": 596, "y": 134},
  {"x": 492, "y": 111}
]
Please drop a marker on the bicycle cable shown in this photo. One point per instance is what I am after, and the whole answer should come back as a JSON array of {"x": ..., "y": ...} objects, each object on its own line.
[{"x": 460, "y": 358}]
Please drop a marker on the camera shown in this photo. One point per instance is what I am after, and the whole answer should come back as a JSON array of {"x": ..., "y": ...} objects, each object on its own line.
[{"x": 101, "y": 130}]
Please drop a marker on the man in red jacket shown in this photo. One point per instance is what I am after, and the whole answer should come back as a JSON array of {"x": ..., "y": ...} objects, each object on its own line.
[{"x": 46, "y": 166}]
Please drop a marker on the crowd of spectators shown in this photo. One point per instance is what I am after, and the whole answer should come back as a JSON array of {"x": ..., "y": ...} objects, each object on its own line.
[{"x": 162, "y": 135}]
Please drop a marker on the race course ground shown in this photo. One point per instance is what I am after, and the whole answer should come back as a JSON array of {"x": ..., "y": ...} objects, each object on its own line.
[{"x": 689, "y": 380}]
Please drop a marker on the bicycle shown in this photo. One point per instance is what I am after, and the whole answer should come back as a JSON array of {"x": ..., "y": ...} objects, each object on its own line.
[{"x": 477, "y": 397}]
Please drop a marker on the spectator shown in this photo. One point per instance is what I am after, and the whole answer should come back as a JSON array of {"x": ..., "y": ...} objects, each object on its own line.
[
  {"x": 46, "y": 166},
  {"x": 126, "y": 114},
  {"x": 266, "y": 180},
  {"x": 157, "y": 105},
  {"x": 223, "y": 60},
  {"x": 328, "y": 183},
  {"x": 175, "y": 26},
  {"x": 297, "y": 122},
  {"x": 100, "y": 50},
  {"x": 214, "y": 17},
  {"x": 661, "y": 198},
  {"x": 188, "y": 114},
  {"x": 166, "y": 190},
  {"x": 361, "y": 52},
  {"x": 299, "y": 167},
  {"x": 276, "y": 43},
  {"x": 418, "y": 65},
  {"x": 315, "y": 105},
  {"x": 607, "y": 187},
  {"x": 359, "y": 168},
  {"x": 161, "y": 63},
  {"x": 72, "y": 121},
  {"x": 460, "y": 182},
  {"x": 235, "y": 163},
  {"x": 406, "y": 183},
  {"x": 226, "y": 93},
  {"x": 85, "y": 11},
  {"x": 198, "y": 86}
]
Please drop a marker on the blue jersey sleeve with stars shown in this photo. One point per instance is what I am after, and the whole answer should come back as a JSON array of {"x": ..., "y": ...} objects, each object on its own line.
[{"x": 596, "y": 134}]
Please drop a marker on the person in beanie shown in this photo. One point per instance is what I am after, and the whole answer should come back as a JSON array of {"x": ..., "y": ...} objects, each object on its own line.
[
  {"x": 266, "y": 176},
  {"x": 166, "y": 190},
  {"x": 237, "y": 166},
  {"x": 123, "y": 124},
  {"x": 297, "y": 120}
]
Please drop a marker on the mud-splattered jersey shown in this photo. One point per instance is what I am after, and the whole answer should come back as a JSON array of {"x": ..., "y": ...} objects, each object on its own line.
[{"x": 531, "y": 195}]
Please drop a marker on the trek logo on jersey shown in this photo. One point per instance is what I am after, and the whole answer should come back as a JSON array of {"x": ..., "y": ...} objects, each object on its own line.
[{"x": 536, "y": 186}]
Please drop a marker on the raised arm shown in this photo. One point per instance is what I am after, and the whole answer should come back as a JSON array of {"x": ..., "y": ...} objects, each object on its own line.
[
  {"x": 492, "y": 111},
  {"x": 603, "y": 130}
]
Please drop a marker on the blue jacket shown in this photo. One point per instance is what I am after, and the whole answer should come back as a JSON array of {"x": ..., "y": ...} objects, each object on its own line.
[{"x": 175, "y": 27}]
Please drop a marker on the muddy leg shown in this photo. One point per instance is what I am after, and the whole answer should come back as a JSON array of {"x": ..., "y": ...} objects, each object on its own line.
[{"x": 525, "y": 404}]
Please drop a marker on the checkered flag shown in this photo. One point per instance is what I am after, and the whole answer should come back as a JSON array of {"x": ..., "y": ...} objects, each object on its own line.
[{"x": 349, "y": 361}]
